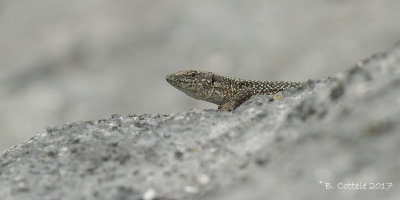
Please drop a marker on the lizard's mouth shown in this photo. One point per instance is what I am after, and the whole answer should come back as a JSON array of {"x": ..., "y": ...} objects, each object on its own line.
[
  {"x": 170, "y": 78},
  {"x": 173, "y": 80},
  {"x": 177, "y": 82}
]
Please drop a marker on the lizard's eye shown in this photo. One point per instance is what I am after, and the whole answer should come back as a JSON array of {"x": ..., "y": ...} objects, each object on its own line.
[{"x": 192, "y": 74}]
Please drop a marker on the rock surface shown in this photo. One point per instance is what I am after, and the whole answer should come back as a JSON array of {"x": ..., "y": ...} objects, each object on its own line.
[
  {"x": 341, "y": 131},
  {"x": 67, "y": 61}
]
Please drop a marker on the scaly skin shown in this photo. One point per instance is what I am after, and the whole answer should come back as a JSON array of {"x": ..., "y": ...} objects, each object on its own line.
[{"x": 224, "y": 91}]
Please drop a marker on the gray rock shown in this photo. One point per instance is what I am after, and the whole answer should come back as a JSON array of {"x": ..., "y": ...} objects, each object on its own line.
[
  {"x": 66, "y": 61},
  {"x": 324, "y": 140}
]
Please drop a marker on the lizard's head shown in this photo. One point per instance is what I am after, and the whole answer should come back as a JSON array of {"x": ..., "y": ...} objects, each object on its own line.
[{"x": 197, "y": 84}]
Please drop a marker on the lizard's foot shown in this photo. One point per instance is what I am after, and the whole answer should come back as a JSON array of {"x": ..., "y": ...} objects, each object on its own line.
[
  {"x": 233, "y": 102},
  {"x": 226, "y": 107}
]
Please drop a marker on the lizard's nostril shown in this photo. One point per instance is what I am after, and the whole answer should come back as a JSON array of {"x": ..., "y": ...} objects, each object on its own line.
[{"x": 170, "y": 78}]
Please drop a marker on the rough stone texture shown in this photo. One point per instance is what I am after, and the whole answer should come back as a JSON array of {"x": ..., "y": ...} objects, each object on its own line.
[
  {"x": 342, "y": 129},
  {"x": 66, "y": 61}
]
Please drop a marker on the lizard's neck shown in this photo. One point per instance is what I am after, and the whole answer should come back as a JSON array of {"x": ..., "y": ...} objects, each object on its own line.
[{"x": 223, "y": 87}]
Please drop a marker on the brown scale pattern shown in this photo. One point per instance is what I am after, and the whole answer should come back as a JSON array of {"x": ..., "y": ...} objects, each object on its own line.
[{"x": 227, "y": 92}]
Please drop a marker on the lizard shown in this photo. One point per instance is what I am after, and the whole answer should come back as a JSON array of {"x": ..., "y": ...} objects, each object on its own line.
[{"x": 227, "y": 92}]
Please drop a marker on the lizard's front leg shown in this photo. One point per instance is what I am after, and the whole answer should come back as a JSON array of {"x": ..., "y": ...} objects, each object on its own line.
[{"x": 235, "y": 100}]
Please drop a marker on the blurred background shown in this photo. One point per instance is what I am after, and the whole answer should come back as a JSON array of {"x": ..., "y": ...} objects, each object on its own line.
[{"x": 66, "y": 61}]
